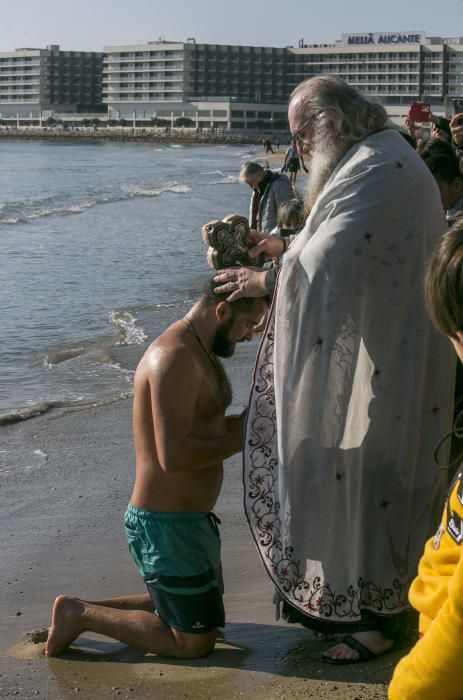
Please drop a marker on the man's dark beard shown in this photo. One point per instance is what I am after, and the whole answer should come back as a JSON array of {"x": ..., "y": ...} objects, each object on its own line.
[{"x": 222, "y": 346}]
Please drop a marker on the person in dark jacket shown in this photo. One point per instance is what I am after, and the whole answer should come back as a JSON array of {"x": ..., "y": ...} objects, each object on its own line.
[{"x": 269, "y": 191}]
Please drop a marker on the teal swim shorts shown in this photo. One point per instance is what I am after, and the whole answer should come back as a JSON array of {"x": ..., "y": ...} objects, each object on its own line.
[{"x": 178, "y": 556}]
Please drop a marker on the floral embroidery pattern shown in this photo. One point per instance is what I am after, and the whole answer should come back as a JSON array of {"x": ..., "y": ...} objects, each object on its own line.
[{"x": 315, "y": 597}]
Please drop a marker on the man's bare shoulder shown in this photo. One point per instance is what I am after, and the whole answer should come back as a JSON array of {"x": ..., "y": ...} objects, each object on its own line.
[{"x": 170, "y": 352}]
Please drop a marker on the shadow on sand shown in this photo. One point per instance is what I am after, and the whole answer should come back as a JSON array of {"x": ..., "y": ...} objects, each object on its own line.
[{"x": 272, "y": 650}]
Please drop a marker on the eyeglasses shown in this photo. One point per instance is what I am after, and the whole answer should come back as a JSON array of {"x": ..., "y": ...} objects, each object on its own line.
[{"x": 296, "y": 136}]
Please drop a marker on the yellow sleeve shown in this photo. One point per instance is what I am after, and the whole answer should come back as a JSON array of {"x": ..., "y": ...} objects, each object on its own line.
[{"x": 433, "y": 668}]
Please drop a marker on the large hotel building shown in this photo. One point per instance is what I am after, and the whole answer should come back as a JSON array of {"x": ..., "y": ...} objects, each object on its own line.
[
  {"x": 233, "y": 87},
  {"x": 37, "y": 82},
  {"x": 239, "y": 87}
]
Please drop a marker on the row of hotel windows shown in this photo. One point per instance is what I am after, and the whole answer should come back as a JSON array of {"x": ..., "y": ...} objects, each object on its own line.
[
  {"x": 142, "y": 64},
  {"x": 199, "y": 50},
  {"x": 142, "y": 76},
  {"x": 150, "y": 96},
  {"x": 35, "y": 97},
  {"x": 143, "y": 54},
  {"x": 84, "y": 58},
  {"x": 370, "y": 75}
]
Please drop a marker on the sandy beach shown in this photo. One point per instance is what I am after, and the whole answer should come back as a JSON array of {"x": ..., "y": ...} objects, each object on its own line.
[{"x": 66, "y": 479}]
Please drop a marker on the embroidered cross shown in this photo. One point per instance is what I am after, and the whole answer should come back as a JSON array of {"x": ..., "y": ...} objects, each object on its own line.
[
  {"x": 398, "y": 165},
  {"x": 367, "y": 236},
  {"x": 385, "y": 504},
  {"x": 319, "y": 342},
  {"x": 339, "y": 477},
  {"x": 377, "y": 372},
  {"x": 435, "y": 409}
]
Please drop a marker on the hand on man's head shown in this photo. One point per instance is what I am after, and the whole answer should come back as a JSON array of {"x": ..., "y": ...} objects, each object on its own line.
[{"x": 241, "y": 282}]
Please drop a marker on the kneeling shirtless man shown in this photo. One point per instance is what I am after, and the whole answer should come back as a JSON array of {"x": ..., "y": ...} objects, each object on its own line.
[{"x": 181, "y": 438}]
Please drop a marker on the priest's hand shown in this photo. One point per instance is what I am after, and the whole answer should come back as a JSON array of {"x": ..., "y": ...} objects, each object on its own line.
[
  {"x": 241, "y": 282},
  {"x": 270, "y": 246}
]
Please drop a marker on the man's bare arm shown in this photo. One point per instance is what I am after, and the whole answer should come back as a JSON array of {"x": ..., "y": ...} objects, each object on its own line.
[
  {"x": 175, "y": 382},
  {"x": 236, "y": 422}
]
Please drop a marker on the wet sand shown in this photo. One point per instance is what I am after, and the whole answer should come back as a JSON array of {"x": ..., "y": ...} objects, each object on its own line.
[{"x": 65, "y": 481}]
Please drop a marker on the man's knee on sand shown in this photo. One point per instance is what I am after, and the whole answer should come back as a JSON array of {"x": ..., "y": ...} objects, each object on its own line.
[{"x": 193, "y": 646}]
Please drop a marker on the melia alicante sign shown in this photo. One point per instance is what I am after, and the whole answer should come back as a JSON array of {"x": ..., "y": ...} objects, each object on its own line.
[{"x": 385, "y": 38}]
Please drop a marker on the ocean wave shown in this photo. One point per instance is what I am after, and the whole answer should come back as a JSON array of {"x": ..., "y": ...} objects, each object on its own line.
[
  {"x": 131, "y": 335},
  {"x": 225, "y": 180},
  {"x": 96, "y": 356},
  {"x": 20, "y": 212},
  {"x": 29, "y": 412},
  {"x": 177, "y": 188},
  {"x": 55, "y": 358},
  {"x": 42, "y": 407}
]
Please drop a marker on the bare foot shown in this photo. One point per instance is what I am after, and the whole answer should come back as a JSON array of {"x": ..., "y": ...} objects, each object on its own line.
[
  {"x": 375, "y": 641},
  {"x": 65, "y": 624}
]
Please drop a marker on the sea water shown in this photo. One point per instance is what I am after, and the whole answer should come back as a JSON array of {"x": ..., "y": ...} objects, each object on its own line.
[{"x": 100, "y": 249}]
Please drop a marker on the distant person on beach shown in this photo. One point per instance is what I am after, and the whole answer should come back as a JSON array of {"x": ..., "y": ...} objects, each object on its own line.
[
  {"x": 269, "y": 191},
  {"x": 293, "y": 162},
  {"x": 432, "y": 670},
  {"x": 353, "y": 386},
  {"x": 268, "y": 145},
  {"x": 182, "y": 437}
]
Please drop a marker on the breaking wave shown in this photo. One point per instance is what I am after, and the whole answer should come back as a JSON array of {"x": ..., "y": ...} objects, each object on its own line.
[
  {"x": 224, "y": 180},
  {"x": 23, "y": 212},
  {"x": 29, "y": 412},
  {"x": 126, "y": 322},
  {"x": 40, "y": 408}
]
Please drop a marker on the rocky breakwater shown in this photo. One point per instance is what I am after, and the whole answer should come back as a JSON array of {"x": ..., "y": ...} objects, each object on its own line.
[{"x": 128, "y": 134}]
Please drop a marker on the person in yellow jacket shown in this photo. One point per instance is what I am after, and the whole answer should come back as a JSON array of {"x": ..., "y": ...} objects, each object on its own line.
[{"x": 433, "y": 670}]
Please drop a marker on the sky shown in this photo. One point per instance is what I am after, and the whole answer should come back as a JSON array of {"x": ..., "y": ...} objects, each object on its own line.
[{"x": 91, "y": 24}]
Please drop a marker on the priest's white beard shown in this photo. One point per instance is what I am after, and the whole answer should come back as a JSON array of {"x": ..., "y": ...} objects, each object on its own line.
[{"x": 326, "y": 154}]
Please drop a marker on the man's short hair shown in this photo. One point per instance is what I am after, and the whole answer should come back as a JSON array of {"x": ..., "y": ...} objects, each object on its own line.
[
  {"x": 441, "y": 160},
  {"x": 210, "y": 298},
  {"x": 444, "y": 282},
  {"x": 250, "y": 170},
  {"x": 432, "y": 147}
]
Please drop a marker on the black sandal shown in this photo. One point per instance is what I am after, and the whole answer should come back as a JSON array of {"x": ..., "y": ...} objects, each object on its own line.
[{"x": 364, "y": 653}]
